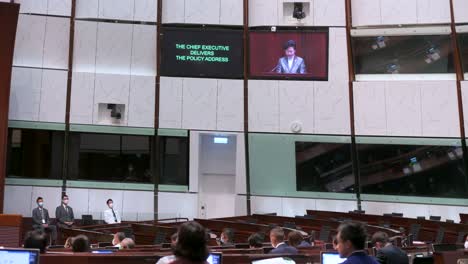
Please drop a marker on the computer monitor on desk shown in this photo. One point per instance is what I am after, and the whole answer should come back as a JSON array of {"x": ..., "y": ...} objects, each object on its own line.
[
  {"x": 19, "y": 256},
  {"x": 330, "y": 258},
  {"x": 215, "y": 258}
]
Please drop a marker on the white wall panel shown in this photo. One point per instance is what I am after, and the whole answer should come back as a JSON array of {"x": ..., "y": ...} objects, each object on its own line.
[
  {"x": 141, "y": 102},
  {"x": 396, "y": 12},
  {"x": 170, "y": 103},
  {"x": 264, "y": 205},
  {"x": 144, "y": 50},
  {"x": 297, "y": 206},
  {"x": 82, "y": 98},
  {"x": 331, "y": 107},
  {"x": 59, "y": 7},
  {"x": 202, "y": 11},
  {"x": 263, "y": 13},
  {"x": 460, "y": 8},
  {"x": 263, "y": 106},
  {"x": 173, "y": 11},
  {"x": 199, "y": 103},
  {"x": 177, "y": 205},
  {"x": 87, "y": 8},
  {"x": 53, "y": 96},
  {"x": 25, "y": 95},
  {"x": 336, "y": 205},
  {"x": 232, "y": 12},
  {"x": 114, "y": 89},
  {"x": 17, "y": 200},
  {"x": 296, "y": 104},
  {"x": 57, "y": 42},
  {"x": 114, "y": 48},
  {"x": 29, "y": 45},
  {"x": 403, "y": 103},
  {"x": 139, "y": 204},
  {"x": 338, "y": 55},
  {"x": 145, "y": 10},
  {"x": 97, "y": 202},
  {"x": 439, "y": 109},
  {"x": 329, "y": 13},
  {"x": 84, "y": 49},
  {"x": 121, "y": 9},
  {"x": 33, "y": 6},
  {"x": 369, "y": 108},
  {"x": 366, "y": 12},
  {"x": 241, "y": 205},
  {"x": 433, "y": 11},
  {"x": 379, "y": 208},
  {"x": 241, "y": 187},
  {"x": 194, "y": 160},
  {"x": 230, "y": 105},
  {"x": 448, "y": 212}
]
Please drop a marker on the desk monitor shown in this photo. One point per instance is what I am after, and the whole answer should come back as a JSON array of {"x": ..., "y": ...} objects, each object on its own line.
[
  {"x": 215, "y": 258},
  {"x": 19, "y": 256},
  {"x": 331, "y": 258}
]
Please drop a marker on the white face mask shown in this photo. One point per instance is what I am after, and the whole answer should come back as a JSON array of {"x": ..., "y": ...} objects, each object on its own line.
[
  {"x": 40, "y": 204},
  {"x": 466, "y": 244}
]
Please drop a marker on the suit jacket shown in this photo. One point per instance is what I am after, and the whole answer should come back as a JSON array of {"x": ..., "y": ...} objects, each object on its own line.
[
  {"x": 298, "y": 66},
  {"x": 392, "y": 255},
  {"x": 360, "y": 257},
  {"x": 284, "y": 249},
  {"x": 37, "y": 217},
  {"x": 64, "y": 215}
]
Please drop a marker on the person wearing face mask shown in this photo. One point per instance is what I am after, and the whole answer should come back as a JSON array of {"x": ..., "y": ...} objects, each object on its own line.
[
  {"x": 64, "y": 214},
  {"x": 41, "y": 220},
  {"x": 111, "y": 216},
  {"x": 387, "y": 253}
]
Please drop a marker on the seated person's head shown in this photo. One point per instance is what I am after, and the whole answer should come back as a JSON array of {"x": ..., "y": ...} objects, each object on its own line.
[
  {"x": 335, "y": 243},
  {"x": 294, "y": 238},
  {"x": 68, "y": 242},
  {"x": 191, "y": 242},
  {"x": 80, "y": 244},
  {"x": 36, "y": 240},
  {"x": 227, "y": 236},
  {"x": 351, "y": 237},
  {"x": 255, "y": 240},
  {"x": 380, "y": 239},
  {"x": 174, "y": 240},
  {"x": 276, "y": 236},
  {"x": 127, "y": 243},
  {"x": 118, "y": 237}
]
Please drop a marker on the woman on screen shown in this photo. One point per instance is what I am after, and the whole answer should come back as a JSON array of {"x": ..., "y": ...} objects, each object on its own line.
[{"x": 290, "y": 63}]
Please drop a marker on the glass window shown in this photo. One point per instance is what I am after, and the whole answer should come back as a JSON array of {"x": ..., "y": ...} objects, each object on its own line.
[
  {"x": 324, "y": 167},
  {"x": 35, "y": 153},
  {"x": 413, "y": 170},
  {"x": 174, "y": 161},
  {"x": 106, "y": 157},
  {"x": 463, "y": 44},
  {"x": 403, "y": 54}
]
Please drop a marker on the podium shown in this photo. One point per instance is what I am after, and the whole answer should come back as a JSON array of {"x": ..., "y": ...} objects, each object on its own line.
[{"x": 10, "y": 230}]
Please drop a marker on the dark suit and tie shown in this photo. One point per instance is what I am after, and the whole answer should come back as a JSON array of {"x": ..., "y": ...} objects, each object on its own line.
[
  {"x": 391, "y": 255},
  {"x": 283, "y": 248},
  {"x": 64, "y": 216},
  {"x": 41, "y": 221}
]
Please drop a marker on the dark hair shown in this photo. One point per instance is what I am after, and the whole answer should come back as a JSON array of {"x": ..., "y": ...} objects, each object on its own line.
[
  {"x": 109, "y": 200},
  {"x": 64, "y": 196},
  {"x": 255, "y": 240},
  {"x": 39, "y": 198},
  {"x": 36, "y": 239},
  {"x": 191, "y": 242},
  {"x": 381, "y": 237},
  {"x": 278, "y": 233},
  {"x": 121, "y": 236},
  {"x": 290, "y": 43},
  {"x": 229, "y": 233},
  {"x": 294, "y": 238},
  {"x": 355, "y": 232},
  {"x": 80, "y": 244}
]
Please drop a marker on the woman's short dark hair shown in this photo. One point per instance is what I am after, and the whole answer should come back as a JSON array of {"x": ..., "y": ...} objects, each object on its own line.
[
  {"x": 39, "y": 198},
  {"x": 290, "y": 43},
  {"x": 191, "y": 242},
  {"x": 256, "y": 240},
  {"x": 355, "y": 232}
]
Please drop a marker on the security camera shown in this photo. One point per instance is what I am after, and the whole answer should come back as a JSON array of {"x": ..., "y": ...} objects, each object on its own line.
[{"x": 298, "y": 12}]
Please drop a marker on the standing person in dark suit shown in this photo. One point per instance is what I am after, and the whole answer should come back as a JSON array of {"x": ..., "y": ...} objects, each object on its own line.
[
  {"x": 41, "y": 220},
  {"x": 277, "y": 241},
  {"x": 64, "y": 214},
  {"x": 387, "y": 253},
  {"x": 351, "y": 240}
]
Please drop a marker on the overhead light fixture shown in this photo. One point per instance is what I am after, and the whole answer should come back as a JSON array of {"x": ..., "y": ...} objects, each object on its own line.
[{"x": 220, "y": 140}]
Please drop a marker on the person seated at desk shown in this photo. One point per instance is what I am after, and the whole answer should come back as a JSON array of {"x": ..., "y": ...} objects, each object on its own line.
[
  {"x": 64, "y": 214},
  {"x": 387, "y": 253},
  {"x": 80, "y": 244},
  {"x": 227, "y": 237},
  {"x": 191, "y": 246},
  {"x": 255, "y": 240},
  {"x": 295, "y": 239},
  {"x": 351, "y": 238},
  {"x": 111, "y": 216},
  {"x": 36, "y": 240},
  {"x": 277, "y": 241},
  {"x": 170, "y": 258},
  {"x": 118, "y": 238},
  {"x": 127, "y": 243},
  {"x": 41, "y": 220}
]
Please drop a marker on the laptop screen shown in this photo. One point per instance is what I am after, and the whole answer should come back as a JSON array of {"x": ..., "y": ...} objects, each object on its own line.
[
  {"x": 331, "y": 258},
  {"x": 19, "y": 256},
  {"x": 214, "y": 258}
]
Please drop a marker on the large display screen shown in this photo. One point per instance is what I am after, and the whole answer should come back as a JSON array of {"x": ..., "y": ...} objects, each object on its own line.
[
  {"x": 189, "y": 52},
  {"x": 289, "y": 55}
]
